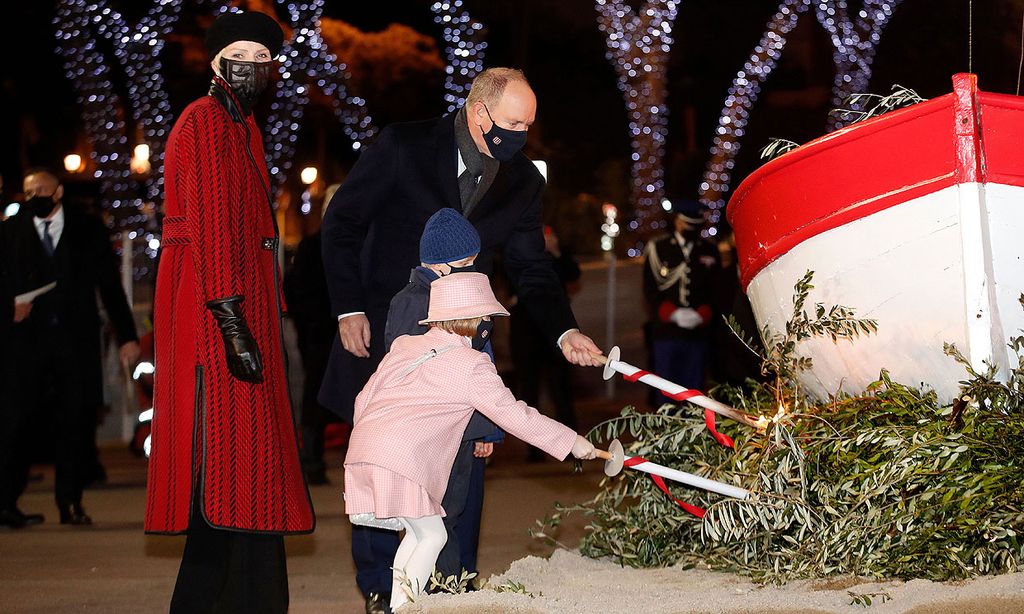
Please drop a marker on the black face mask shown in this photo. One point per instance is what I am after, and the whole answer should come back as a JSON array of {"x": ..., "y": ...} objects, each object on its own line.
[
  {"x": 483, "y": 334},
  {"x": 501, "y": 142},
  {"x": 41, "y": 206},
  {"x": 469, "y": 268},
  {"x": 247, "y": 79}
]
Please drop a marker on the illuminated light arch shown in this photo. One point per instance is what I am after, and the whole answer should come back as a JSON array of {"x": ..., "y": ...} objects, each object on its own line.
[
  {"x": 89, "y": 71},
  {"x": 854, "y": 42},
  {"x": 137, "y": 48},
  {"x": 464, "y": 49},
  {"x": 854, "y": 46},
  {"x": 638, "y": 45},
  {"x": 743, "y": 92}
]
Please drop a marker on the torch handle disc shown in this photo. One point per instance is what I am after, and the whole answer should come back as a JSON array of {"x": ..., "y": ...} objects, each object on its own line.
[
  {"x": 613, "y": 355},
  {"x": 613, "y": 466}
]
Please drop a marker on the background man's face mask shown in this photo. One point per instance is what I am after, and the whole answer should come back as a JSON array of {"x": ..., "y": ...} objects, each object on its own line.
[
  {"x": 41, "y": 206},
  {"x": 247, "y": 79}
]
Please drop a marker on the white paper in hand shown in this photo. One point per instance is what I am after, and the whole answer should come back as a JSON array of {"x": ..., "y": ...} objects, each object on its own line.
[{"x": 28, "y": 297}]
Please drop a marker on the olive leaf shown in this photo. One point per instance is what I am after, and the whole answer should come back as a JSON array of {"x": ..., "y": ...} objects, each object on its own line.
[{"x": 882, "y": 484}]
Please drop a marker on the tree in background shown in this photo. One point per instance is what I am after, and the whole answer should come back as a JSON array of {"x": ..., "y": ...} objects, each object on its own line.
[
  {"x": 854, "y": 42},
  {"x": 638, "y": 45}
]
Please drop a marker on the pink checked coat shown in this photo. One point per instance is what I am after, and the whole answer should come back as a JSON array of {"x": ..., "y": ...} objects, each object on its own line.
[{"x": 413, "y": 425}]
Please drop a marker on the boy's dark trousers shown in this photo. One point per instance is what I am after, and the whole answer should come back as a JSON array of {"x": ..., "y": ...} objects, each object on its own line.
[{"x": 463, "y": 503}]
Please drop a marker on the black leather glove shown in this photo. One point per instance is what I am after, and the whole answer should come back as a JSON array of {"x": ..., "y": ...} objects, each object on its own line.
[{"x": 240, "y": 349}]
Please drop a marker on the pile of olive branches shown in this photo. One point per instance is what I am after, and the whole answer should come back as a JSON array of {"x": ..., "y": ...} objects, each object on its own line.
[{"x": 886, "y": 484}]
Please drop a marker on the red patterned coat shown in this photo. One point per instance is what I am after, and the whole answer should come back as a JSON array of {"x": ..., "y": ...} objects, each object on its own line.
[{"x": 234, "y": 441}]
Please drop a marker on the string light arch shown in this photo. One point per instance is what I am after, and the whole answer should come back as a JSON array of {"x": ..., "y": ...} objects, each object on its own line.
[
  {"x": 137, "y": 48},
  {"x": 742, "y": 94},
  {"x": 854, "y": 44},
  {"x": 307, "y": 62},
  {"x": 638, "y": 45},
  {"x": 464, "y": 49},
  {"x": 88, "y": 69}
]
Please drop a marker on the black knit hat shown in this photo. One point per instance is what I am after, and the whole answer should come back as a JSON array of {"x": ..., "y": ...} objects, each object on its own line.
[{"x": 249, "y": 26}]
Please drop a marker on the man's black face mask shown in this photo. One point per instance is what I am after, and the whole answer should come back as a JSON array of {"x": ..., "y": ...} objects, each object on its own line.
[
  {"x": 503, "y": 143},
  {"x": 247, "y": 79},
  {"x": 41, "y": 206}
]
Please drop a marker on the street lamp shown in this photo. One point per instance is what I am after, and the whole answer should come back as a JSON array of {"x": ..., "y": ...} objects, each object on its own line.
[
  {"x": 610, "y": 229},
  {"x": 140, "y": 159},
  {"x": 73, "y": 163},
  {"x": 309, "y": 175}
]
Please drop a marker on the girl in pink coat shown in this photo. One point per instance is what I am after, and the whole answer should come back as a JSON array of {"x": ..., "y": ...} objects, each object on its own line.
[{"x": 410, "y": 417}]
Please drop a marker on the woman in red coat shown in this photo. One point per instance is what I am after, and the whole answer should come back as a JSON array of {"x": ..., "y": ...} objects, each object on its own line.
[{"x": 224, "y": 466}]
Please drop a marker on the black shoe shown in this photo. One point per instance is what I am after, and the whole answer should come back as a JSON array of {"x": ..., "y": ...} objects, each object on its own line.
[
  {"x": 378, "y": 603},
  {"x": 30, "y": 519},
  {"x": 12, "y": 519},
  {"x": 74, "y": 515}
]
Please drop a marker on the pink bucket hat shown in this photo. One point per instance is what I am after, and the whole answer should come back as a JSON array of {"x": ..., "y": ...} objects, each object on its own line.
[{"x": 462, "y": 296}]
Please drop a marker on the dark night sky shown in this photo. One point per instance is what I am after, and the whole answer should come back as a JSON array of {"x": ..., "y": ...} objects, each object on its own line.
[{"x": 581, "y": 121}]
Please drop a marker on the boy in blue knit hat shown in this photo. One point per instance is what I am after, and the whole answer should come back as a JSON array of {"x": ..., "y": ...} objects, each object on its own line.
[{"x": 449, "y": 244}]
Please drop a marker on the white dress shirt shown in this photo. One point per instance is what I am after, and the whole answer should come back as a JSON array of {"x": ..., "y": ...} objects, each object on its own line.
[{"x": 56, "y": 225}]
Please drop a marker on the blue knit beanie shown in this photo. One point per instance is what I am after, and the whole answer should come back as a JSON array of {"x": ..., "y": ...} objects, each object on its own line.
[{"x": 448, "y": 237}]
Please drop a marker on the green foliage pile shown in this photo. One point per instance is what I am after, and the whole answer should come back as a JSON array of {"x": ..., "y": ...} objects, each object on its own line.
[{"x": 888, "y": 484}]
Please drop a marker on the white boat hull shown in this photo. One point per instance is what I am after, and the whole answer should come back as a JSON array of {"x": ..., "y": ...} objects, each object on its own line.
[{"x": 947, "y": 267}]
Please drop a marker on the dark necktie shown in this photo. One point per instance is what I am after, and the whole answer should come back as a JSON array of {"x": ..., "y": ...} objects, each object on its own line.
[
  {"x": 47, "y": 239},
  {"x": 467, "y": 185}
]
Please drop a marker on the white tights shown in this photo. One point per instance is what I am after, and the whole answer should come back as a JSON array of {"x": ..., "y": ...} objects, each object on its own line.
[{"x": 416, "y": 556}]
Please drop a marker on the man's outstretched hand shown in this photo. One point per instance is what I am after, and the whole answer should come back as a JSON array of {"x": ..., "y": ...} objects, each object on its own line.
[
  {"x": 580, "y": 349},
  {"x": 354, "y": 331}
]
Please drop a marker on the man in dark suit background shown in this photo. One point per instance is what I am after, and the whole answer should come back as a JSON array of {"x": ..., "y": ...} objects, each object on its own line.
[
  {"x": 471, "y": 161},
  {"x": 54, "y": 349}
]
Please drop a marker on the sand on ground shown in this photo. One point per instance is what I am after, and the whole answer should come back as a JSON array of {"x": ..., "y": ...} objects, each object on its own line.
[{"x": 568, "y": 582}]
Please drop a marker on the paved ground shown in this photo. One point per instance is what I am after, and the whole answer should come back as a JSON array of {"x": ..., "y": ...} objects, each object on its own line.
[{"x": 114, "y": 567}]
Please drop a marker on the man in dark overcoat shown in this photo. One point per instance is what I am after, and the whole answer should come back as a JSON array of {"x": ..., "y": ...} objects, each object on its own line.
[
  {"x": 470, "y": 160},
  {"x": 54, "y": 349}
]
